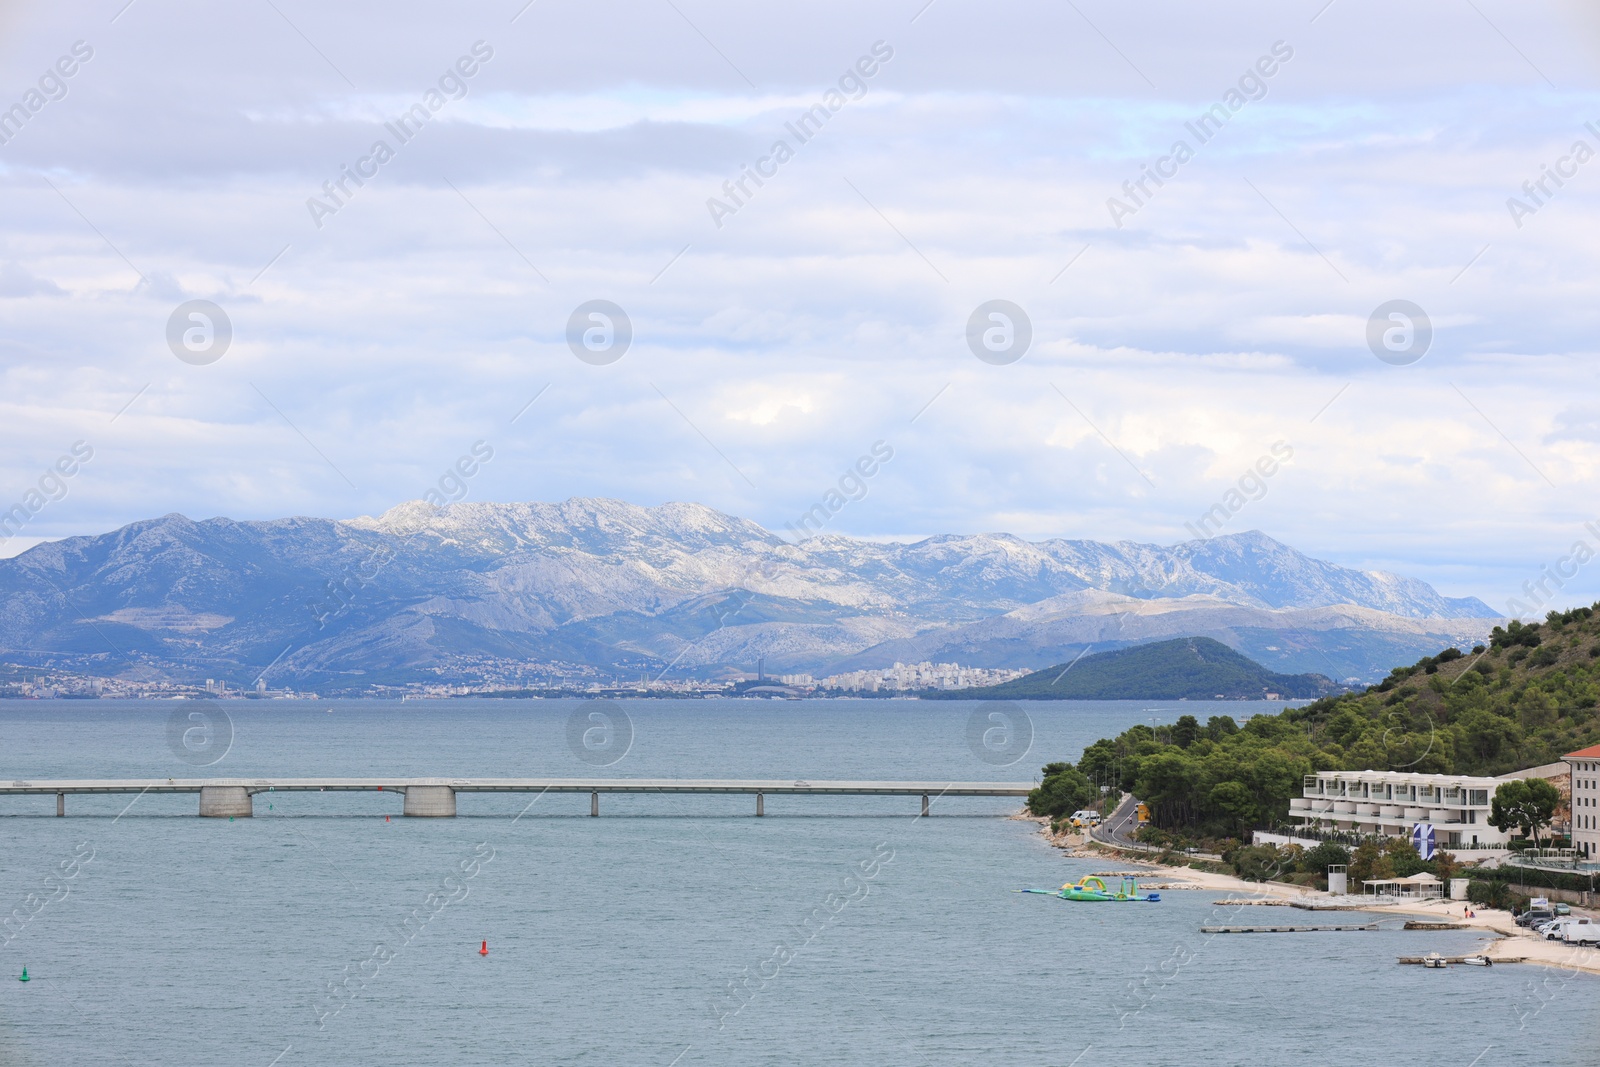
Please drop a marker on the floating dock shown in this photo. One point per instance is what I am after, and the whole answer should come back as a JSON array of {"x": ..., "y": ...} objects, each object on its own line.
[{"x": 1281, "y": 929}]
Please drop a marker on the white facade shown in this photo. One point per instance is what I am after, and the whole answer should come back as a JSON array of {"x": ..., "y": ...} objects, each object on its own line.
[
  {"x": 1584, "y": 766},
  {"x": 1392, "y": 802},
  {"x": 921, "y": 676}
]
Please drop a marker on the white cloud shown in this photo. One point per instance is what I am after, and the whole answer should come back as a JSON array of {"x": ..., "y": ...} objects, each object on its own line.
[{"x": 827, "y": 312}]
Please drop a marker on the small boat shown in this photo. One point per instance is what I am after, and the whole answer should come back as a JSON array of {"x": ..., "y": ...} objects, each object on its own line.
[
  {"x": 1477, "y": 961},
  {"x": 1433, "y": 959},
  {"x": 1092, "y": 888}
]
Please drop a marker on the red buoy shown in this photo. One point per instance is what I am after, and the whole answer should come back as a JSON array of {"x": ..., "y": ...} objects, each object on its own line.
[
  {"x": 484, "y": 951},
  {"x": 386, "y": 818}
]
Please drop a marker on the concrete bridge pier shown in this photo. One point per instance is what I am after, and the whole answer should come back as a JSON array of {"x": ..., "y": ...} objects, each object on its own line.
[
  {"x": 61, "y": 805},
  {"x": 594, "y": 803},
  {"x": 761, "y": 807},
  {"x": 924, "y": 805},
  {"x": 225, "y": 802},
  {"x": 430, "y": 802}
]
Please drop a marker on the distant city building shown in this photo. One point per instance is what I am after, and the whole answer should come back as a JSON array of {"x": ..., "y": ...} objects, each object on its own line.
[{"x": 919, "y": 676}]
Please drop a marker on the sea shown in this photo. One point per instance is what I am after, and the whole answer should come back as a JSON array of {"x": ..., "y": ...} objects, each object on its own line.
[{"x": 672, "y": 930}]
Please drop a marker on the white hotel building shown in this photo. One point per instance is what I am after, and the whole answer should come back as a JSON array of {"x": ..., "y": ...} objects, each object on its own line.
[
  {"x": 1584, "y": 766},
  {"x": 1392, "y": 802}
]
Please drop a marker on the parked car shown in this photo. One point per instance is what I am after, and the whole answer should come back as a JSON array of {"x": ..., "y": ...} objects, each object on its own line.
[
  {"x": 1533, "y": 917},
  {"x": 1563, "y": 909},
  {"x": 1085, "y": 817}
]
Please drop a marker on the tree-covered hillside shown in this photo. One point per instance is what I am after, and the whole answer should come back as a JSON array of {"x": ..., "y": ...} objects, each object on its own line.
[
  {"x": 1526, "y": 699},
  {"x": 1192, "y": 668}
]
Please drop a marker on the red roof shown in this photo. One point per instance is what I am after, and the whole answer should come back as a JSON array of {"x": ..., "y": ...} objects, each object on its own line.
[{"x": 1592, "y": 752}]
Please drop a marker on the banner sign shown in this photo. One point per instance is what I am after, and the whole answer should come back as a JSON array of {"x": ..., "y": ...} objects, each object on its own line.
[{"x": 1422, "y": 837}]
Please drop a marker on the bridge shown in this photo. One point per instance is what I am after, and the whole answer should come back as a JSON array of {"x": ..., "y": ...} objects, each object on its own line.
[{"x": 228, "y": 798}]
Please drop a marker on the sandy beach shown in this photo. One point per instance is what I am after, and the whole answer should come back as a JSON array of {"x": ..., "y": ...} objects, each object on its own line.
[{"x": 1508, "y": 942}]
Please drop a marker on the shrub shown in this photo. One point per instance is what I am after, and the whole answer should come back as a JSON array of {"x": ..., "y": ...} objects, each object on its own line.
[
  {"x": 1261, "y": 863},
  {"x": 1490, "y": 894}
]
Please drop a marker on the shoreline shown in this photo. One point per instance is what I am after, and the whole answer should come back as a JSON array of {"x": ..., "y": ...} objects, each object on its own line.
[{"x": 1510, "y": 943}]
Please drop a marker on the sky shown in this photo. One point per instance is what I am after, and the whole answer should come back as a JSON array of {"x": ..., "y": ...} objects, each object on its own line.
[{"x": 1234, "y": 317}]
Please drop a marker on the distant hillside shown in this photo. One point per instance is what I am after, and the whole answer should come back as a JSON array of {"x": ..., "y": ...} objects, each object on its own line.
[{"x": 1194, "y": 668}]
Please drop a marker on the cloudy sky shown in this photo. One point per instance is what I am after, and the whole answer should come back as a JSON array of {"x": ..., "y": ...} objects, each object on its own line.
[{"x": 778, "y": 333}]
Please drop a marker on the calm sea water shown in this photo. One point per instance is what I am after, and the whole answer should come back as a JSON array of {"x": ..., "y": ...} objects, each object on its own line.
[{"x": 671, "y": 930}]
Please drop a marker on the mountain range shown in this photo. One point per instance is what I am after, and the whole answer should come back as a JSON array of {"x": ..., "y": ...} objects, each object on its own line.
[{"x": 471, "y": 591}]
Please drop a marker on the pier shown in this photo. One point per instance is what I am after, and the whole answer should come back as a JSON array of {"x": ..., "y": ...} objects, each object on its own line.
[
  {"x": 1281, "y": 929},
  {"x": 234, "y": 798}
]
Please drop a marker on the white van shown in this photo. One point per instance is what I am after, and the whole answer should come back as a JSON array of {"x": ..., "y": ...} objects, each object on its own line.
[
  {"x": 1083, "y": 817},
  {"x": 1580, "y": 932}
]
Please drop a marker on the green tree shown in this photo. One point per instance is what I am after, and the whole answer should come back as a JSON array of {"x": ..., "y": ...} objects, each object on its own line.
[
  {"x": 1536, "y": 708},
  {"x": 1186, "y": 731},
  {"x": 1063, "y": 790},
  {"x": 1482, "y": 736},
  {"x": 1370, "y": 863},
  {"x": 1166, "y": 782},
  {"x": 1323, "y": 856},
  {"x": 1526, "y": 804},
  {"x": 1404, "y": 860},
  {"x": 1099, "y": 761},
  {"x": 1237, "y": 802}
]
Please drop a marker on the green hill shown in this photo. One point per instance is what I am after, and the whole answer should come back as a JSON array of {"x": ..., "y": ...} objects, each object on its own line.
[
  {"x": 1192, "y": 668},
  {"x": 1527, "y": 698}
]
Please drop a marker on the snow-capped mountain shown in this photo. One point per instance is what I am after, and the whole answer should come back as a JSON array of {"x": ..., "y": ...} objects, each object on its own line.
[{"x": 422, "y": 591}]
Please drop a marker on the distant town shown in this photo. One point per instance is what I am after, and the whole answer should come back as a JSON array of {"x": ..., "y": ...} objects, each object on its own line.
[{"x": 547, "y": 680}]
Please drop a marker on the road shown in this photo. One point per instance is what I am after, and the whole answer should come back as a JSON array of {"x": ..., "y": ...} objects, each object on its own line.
[{"x": 1119, "y": 827}]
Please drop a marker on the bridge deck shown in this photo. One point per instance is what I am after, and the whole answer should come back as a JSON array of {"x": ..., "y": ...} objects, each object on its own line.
[{"x": 521, "y": 785}]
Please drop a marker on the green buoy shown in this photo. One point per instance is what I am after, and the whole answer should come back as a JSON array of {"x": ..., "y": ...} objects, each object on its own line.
[{"x": 24, "y": 977}]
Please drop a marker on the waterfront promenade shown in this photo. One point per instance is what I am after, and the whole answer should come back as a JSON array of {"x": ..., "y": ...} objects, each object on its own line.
[{"x": 436, "y": 797}]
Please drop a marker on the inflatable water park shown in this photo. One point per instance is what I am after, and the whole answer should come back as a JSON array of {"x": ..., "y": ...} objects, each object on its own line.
[{"x": 1092, "y": 888}]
